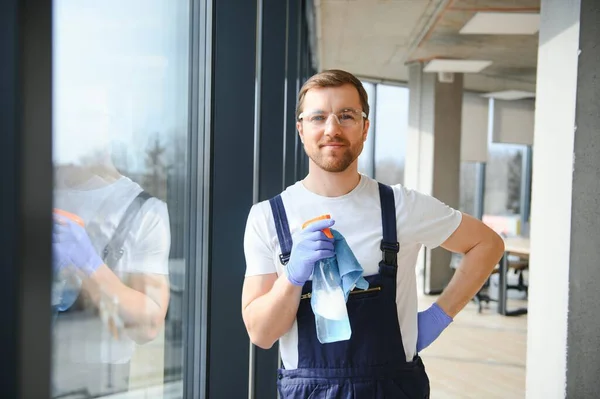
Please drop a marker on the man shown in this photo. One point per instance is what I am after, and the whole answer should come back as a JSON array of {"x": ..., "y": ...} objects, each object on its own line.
[
  {"x": 385, "y": 227},
  {"x": 121, "y": 257}
]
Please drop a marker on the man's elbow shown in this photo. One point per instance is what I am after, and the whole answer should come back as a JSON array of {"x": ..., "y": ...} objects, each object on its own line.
[
  {"x": 262, "y": 343},
  {"x": 495, "y": 248},
  {"x": 498, "y": 244},
  {"x": 145, "y": 336},
  {"x": 261, "y": 340},
  {"x": 145, "y": 333},
  {"x": 258, "y": 336}
]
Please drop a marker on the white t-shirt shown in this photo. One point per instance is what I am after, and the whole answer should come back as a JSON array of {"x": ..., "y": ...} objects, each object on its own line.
[
  {"x": 146, "y": 251},
  {"x": 421, "y": 221}
]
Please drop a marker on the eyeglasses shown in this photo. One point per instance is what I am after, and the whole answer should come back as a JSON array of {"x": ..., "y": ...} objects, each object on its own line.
[{"x": 346, "y": 118}]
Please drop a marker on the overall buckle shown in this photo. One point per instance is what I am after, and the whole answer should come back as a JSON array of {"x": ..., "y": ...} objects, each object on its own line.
[
  {"x": 284, "y": 259},
  {"x": 389, "y": 252}
]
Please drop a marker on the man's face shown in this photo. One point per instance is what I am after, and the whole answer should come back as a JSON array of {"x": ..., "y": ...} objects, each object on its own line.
[{"x": 333, "y": 146}]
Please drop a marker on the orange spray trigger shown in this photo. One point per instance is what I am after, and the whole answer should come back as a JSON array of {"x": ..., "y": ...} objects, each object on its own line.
[
  {"x": 69, "y": 215},
  {"x": 327, "y": 231}
]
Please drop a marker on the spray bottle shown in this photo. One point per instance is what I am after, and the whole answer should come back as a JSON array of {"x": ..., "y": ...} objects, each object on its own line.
[
  {"x": 327, "y": 299},
  {"x": 66, "y": 282}
]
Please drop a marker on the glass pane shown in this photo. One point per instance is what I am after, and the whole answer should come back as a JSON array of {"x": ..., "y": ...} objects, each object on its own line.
[
  {"x": 365, "y": 160},
  {"x": 468, "y": 187},
  {"x": 120, "y": 154},
  {"x": 391, "y": 131},
  {"x": 503, "y": 188}
]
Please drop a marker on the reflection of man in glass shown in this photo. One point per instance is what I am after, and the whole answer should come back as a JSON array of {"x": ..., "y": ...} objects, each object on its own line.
[{"x": 120, "y": 257}]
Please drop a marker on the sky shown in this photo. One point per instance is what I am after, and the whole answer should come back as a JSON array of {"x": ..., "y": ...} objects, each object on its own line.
[{"x": 119, "y": 74}]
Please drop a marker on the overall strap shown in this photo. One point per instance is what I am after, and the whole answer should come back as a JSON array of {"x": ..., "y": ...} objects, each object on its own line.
[
  {"x": 389, "y": 243},
  {"x": 283, "y": 229},
  {"x": 114, "y": 249}
]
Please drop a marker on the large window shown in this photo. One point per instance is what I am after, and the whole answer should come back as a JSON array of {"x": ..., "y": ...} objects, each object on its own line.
[
  {"x": 366, "y": 162},
  {"x": 504, "y": 200},
  {"x": 468, "y": 187},
  {"x": 384, "y": 152},
  {"x": 503, "y": 179},
  {"x": 392, "y": 131},
  {"x": 120, "y": 84}
]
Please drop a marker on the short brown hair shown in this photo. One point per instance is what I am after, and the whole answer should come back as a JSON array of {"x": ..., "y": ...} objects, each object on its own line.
[{"x": 333, "y": 78}]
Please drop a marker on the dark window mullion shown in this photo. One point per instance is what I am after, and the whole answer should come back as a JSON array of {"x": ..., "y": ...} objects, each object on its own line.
[{"x": 26, "y": 207}]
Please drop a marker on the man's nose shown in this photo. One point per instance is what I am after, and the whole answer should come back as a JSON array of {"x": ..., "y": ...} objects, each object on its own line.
[{"x": 332, "y": 125}]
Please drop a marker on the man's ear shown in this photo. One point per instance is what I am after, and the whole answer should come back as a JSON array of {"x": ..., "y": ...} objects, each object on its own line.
[
  {"x": 300, "y": 131},
  {"x": 365, "y": 132}
]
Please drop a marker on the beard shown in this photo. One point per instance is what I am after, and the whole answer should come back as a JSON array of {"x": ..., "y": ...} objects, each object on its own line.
[{"x": 338, "y": 160}]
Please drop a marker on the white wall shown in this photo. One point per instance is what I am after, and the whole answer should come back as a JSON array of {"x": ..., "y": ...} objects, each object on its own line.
[
  {"x": 513, "y": 121},
  {"x": 551, "y": 199},
  {"x": 474, "y": 140}
]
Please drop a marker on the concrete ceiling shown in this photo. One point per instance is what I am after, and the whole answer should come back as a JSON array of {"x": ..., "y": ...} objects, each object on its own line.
[{"x": 377, "y": 38}]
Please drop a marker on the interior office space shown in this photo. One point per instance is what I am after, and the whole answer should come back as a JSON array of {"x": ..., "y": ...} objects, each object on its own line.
[{"x": 194, "y": 102}]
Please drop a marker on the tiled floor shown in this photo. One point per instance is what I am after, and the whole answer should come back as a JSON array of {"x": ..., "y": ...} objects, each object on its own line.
[{"x": 482, "y": 355}]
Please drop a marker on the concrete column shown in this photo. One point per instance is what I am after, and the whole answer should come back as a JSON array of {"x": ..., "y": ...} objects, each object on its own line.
[
  {"x": 563, "y": 345},
  {"x": 433, "y": 155}
]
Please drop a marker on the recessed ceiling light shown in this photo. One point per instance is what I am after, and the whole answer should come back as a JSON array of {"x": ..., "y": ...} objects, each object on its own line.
[
  {"x": 457, "y": 66},
  {"x": 497, "y": 23},
  {"x": 510, "y": 95}
]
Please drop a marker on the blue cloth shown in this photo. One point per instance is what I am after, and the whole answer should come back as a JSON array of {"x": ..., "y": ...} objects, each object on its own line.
[{"x": 350, "y": 272}]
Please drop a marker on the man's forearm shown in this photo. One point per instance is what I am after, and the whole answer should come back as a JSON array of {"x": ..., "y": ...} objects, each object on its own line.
[
  {"x": 474, "y": 269},
  {"x": 138, "y": 310},
  {"x": 270, "y": 316}
]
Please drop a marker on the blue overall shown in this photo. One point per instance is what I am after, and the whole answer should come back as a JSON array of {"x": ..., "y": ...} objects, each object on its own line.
[{"x": 372, "y": 364}]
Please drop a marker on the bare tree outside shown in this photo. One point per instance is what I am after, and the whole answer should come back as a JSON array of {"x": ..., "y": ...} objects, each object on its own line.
[
  {"x": 468, "y": 183},
  {"x": 157, "y": 169},
  {"x": 515, "y": 169},
  {"x": 503, "y": 180}
]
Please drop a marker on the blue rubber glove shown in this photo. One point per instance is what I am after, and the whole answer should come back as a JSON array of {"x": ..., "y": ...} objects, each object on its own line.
[
  {"x": 431, "y": 323},
  {"x": 309, "y": 246},
  {"x": 71, "y": 246}
]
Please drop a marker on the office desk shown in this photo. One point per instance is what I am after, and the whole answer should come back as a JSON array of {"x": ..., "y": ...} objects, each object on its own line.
[{"x": 512, "y": 246}]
